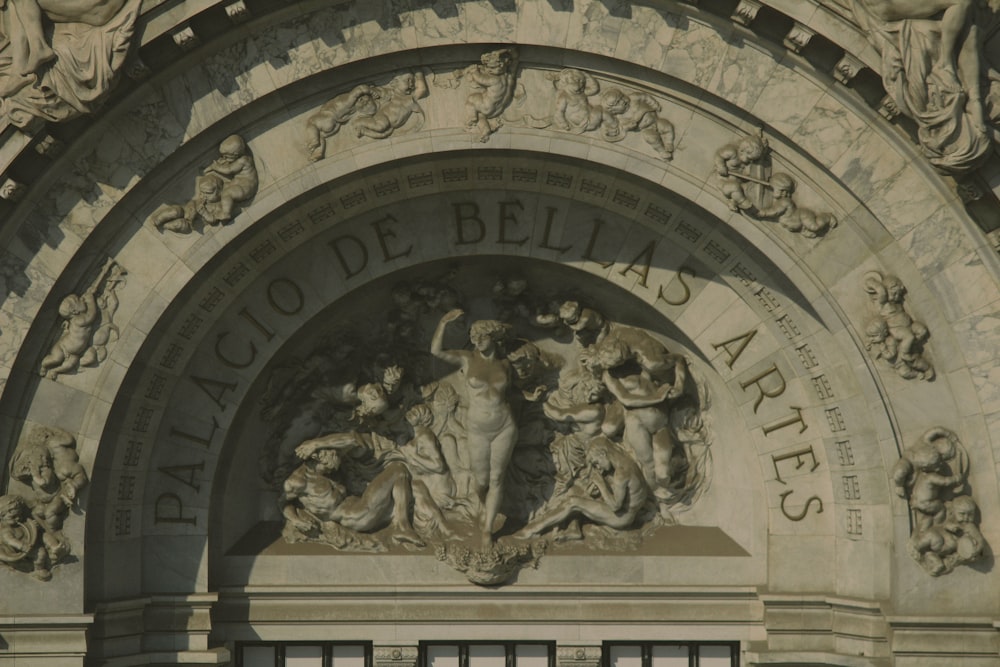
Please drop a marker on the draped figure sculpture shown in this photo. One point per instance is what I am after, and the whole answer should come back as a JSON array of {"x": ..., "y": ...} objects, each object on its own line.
[
  {"x": 60, "y": 58},
  {"x": 932, "y": 67}
]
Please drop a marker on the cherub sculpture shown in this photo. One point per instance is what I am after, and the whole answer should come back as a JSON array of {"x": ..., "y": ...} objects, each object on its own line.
[
  {"x": 492, "y": 83},
  {"x": 732, "y": 163},
  {"x": 335, "y": 114},
  {"x": 88, "y": 325},
  {"x": 229, "y": 180},
  {"x": 892, "y": 334},
  {"x": 46, "y": 461},
  {"x": 574, "y": 111},
  {"x": 932, "y": 476},
  {"x": 19, "y": 545},
  {"x": 394, "y": 105},
  {"x": 637, "y": 112},
  {"x": 790, "y": 215}
]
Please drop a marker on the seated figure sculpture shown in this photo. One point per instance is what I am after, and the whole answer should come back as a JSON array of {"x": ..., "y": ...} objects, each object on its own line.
[{"x": 621, "y": 493}]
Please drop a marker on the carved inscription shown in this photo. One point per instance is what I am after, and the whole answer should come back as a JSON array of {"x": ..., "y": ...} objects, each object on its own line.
[{"x": 236, "y": 347}]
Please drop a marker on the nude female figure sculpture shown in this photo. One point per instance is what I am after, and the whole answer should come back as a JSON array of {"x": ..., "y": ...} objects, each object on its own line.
[{"x": 491, "y": 431}]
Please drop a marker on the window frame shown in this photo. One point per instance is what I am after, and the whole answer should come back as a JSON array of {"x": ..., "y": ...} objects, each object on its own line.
[
  {"x": 327, "y": 646},
  {"x": 646, "y": 648},
  {"x": 510, "y": 648}
]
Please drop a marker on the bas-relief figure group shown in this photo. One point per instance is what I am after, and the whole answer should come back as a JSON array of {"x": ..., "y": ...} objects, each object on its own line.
[
  {"x": 543, "y": 420},
  {"x": 48, "y": 469},
  {"x": 932, "y": 476},
  {"x": 491, "y": 90}
]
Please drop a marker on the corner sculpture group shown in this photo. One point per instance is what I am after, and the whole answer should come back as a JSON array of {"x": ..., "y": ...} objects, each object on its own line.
[{"x": 557, "y": 423}]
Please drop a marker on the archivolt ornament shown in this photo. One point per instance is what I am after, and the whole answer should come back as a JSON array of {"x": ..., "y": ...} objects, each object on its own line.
[
  {"x": 743, "y": 174},
  {"x": 229, "y": 180},
  {"x": 537, "y": 419},
  {"x": 368, "y": 111},
  {"x": 892, "y": 334},
  {"x": 31, "y": 537},
  {"x": 88, "y": 325},
  {"x": 932, "y": 476}
]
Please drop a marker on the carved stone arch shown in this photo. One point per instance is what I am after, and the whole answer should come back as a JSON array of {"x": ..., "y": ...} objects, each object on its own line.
[{"x": 716, "y": 84}]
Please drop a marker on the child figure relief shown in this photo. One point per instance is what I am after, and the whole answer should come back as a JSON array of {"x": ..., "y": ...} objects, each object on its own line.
[
  {"x": 230, "y": 179},
  {"x": 88, "y": 325}
]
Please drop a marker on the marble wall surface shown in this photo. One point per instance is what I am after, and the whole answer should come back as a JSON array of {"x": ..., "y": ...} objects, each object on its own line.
[{"x": 659, "y": 152}]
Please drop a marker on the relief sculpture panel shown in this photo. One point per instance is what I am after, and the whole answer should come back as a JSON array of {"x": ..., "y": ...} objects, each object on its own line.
[{"x": 487, "y": 426}]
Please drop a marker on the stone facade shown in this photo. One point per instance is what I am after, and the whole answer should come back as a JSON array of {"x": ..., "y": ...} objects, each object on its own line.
[{"x": 571, "y": 321}]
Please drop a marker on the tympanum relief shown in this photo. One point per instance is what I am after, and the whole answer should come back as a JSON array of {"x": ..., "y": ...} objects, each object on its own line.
[
  {"x": 933, "y": 67},
  {"x": 31, "y": 524},
  {"x": 744, "y": 177},
  {"x": 892, "y": 335},
  {"x": 88, "y": 325},
  {"x": 230, "y": 180},
  {"x": 486, "y": 427},
  {"x": 932, "y": 476},
  {"x": 59, "y": 60}
]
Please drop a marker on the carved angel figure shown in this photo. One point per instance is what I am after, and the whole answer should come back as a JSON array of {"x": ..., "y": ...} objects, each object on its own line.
[
  {"x": 395, "y": 104},
  {"x": 333, "y": 115},
  {"x": 88, "y": 325},
  {"x": 59, "y": 59},
  {"x": 573, "y": 111},
  {"x": 230, "y": 180},
  {"x": 932, "y": 66},
  {"x": 893, "y": 335},
  {"x": 492, "y": 83},
  {"x": 931, "y": 476}
]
